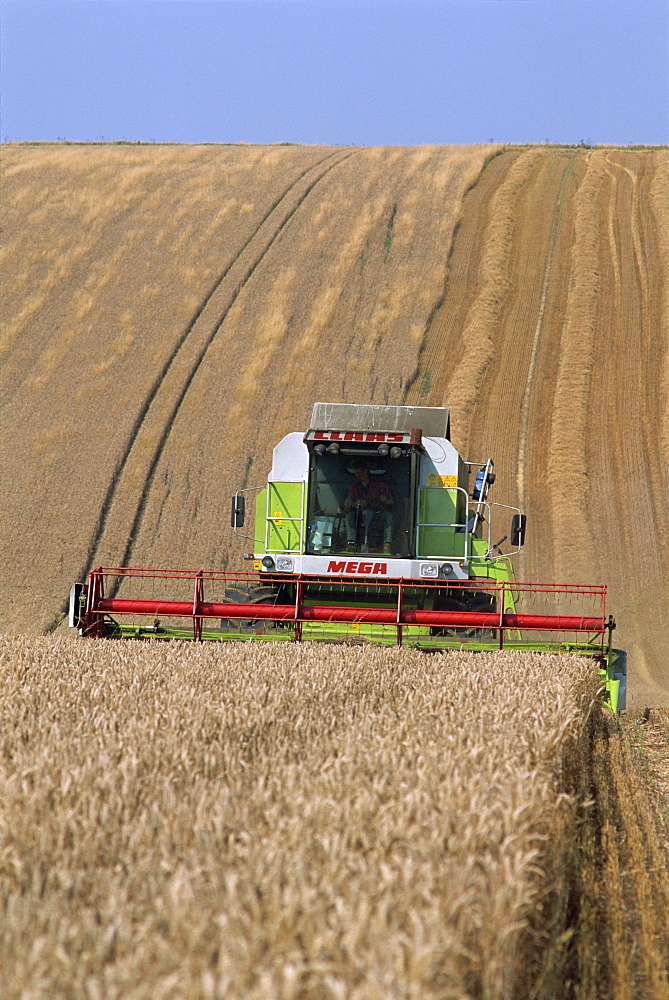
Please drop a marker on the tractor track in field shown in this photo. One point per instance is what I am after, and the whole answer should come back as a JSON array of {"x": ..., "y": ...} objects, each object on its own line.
[
  {"x": 569, "y": 416},
  {"x": 524, "y": 419},
  {"x": 152, "y": 426},
  {"x": 621, "y": 942},
  {"x": 441, "y": 345},
  {"x": 540, "y": 270},
  {"x": 624, "y": 407},
  {"x": 419, "y": 385},
  {"x": 506, "y": 398},
  {"x": 299, "y": 189},
  {"x": 513, "y": 401}
]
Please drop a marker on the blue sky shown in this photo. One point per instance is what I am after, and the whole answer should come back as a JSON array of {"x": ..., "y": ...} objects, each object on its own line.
[{"x": 392, "y": 72}]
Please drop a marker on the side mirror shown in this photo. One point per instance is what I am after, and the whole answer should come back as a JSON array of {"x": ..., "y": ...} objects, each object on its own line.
[
  {"x": 518, "y": 530},
  {"x": 238, "y": 510},
  {"x": 74, "y": 608}
]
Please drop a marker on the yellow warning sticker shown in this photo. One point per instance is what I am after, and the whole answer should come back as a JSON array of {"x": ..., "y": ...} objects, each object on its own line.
[
  {"x": 278, "y": 517},
  {"x": 434, "y": 479},
  {"x": 257, "y": 565}
]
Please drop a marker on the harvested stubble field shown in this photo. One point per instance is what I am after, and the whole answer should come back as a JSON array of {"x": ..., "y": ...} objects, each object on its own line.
[
  {"x": 322, "y": 822},
  {"x": 167, "y": 314}
]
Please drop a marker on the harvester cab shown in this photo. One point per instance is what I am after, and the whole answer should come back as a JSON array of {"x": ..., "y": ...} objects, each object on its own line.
[
  {"x": 370, "y": 528},
  {"x": 379, "y": 492}
]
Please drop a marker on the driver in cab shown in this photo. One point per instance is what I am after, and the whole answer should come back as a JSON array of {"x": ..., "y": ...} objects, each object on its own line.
[{"x": 371, "y": 497}]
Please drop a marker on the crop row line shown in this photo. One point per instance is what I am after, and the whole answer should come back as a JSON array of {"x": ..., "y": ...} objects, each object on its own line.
[{"x": 161, "y": 406}]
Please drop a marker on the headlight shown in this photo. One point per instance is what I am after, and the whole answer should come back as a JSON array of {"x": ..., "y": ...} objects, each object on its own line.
[
  {"x": 429, "y": 569},
  {"x": 448, "y": 569},
  {"x": 284, "y": 565},
  {"x": 268, "y": 562}
]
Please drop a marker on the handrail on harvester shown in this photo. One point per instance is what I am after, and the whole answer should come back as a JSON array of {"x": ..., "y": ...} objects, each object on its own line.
[{"x": 298, "y": 613}]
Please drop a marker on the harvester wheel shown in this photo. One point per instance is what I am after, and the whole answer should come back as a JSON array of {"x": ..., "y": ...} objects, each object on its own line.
[
  {"x": 248, "y": 595},
  {"x": 474, "y": 600}
]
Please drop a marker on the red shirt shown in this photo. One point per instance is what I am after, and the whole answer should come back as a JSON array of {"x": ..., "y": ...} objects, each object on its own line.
[{"x": 371, "y": 493}]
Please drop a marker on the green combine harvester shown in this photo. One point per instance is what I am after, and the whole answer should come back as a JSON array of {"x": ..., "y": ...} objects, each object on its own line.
[{"x": 370, "y": 528}]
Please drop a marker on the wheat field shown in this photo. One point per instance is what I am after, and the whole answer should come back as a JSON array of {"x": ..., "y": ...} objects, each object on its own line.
[
  {"x": 168, "y": 313},
  {"x": 176, "y": 306},
  {"x": 328, "y": 822},
  {"x": 242, "y": 820}
]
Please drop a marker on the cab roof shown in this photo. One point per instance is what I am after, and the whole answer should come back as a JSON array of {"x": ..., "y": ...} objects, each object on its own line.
[{"x": 433, "y": 421}]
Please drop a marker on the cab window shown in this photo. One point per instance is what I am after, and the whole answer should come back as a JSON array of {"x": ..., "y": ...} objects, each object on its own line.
[{"x": 359, "y": 503}]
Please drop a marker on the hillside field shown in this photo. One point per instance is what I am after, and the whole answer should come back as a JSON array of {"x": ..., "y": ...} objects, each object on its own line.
[
  {"x": 168, "y": 313},
  {"x": 317, "y": 822}
]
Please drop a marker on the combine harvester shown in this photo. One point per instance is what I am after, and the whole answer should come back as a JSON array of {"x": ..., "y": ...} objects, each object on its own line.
[{"x": 367, "y": 530}]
